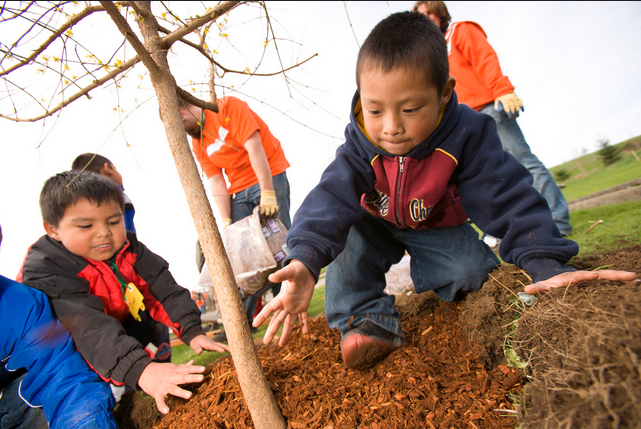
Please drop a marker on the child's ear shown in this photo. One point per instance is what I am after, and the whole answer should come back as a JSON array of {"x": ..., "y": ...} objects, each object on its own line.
[
  {"x": 448, "y": 91},
  {"x": 106, "y": 170},
  {"x": 51, "y": 230}
]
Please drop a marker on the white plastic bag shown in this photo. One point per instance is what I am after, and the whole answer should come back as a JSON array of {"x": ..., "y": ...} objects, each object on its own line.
[
  {"x": 249, "y": 251},
  {"x": 398, "y": 277}
]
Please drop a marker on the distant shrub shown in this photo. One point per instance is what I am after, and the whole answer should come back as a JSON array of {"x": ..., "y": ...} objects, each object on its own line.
[
  {"x": 608, "y": 154},
  {"x": 561, "y": 175}
]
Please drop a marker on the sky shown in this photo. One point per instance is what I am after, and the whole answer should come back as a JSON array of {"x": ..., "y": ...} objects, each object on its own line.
[{"x": 576, "y": 66}]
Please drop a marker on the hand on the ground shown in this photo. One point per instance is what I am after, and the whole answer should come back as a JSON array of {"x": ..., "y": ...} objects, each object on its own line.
[
  {"x": 161, "y": 379},
  {"x": 574, "y": 278},
  {"x": 511, "y": 103},
  {"x": 202, "y": 342},
  {"x": 268, "y": 205},
  {"x": 226, "y": 223},
  {"x": 293, "y": 300}
]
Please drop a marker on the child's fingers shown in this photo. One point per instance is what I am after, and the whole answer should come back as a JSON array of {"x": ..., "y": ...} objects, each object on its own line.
[
  {"x": 273, "y": 306},
  {"x": 283, "y": 274},
  {"x": 160, "y": 404}
]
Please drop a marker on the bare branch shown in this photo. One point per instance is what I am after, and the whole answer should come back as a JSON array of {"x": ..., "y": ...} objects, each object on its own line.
[
  {"x": 185, "y": 96},
  {"x": 73, "y": 20},
  {"x": 95, "y": 84},
  {"x": 210, "y": 15},
  {"x": 129, "y": 34}
]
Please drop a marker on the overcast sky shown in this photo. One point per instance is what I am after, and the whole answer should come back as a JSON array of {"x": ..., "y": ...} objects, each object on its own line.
[{"x": 576, "y": 66}]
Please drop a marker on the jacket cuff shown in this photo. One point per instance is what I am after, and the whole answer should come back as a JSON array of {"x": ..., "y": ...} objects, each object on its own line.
[
  {"x": 313, "y": 264},
  {"x": 543, "y": 269},
  {"x": 190, "y": 332},
  {"x": 133, "y": 375}
]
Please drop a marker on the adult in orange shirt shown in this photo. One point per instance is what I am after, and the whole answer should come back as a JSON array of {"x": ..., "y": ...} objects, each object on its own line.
[
  {"x": 481, "y": 85},
  {"x": 236, "y": 142}
]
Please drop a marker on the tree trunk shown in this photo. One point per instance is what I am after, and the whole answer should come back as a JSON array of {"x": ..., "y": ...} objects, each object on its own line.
[{"x": 258, "y": 395}]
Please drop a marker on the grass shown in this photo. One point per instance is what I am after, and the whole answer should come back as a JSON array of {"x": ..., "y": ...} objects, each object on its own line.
[{"x": 588, "y": 175}]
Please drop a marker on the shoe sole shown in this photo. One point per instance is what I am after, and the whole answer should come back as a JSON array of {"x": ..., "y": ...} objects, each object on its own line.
[{"x": 366, "y": 352}]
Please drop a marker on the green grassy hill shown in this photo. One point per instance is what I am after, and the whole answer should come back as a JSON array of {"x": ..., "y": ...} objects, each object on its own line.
[{"x": 587, "y": 174}]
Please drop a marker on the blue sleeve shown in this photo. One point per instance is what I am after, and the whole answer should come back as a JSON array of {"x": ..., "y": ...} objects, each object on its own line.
[
  {"x": 518, "y": 213},
  {"x": 58, "y": 379}
]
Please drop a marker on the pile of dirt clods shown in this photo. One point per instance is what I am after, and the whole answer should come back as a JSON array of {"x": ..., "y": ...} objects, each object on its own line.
[{"x": 574, "y": 362}]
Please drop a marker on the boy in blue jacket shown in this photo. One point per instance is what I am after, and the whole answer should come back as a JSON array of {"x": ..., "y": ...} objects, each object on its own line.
[
  {"x": 44, "y": 382},
  {"x": 414, "y": 166}
]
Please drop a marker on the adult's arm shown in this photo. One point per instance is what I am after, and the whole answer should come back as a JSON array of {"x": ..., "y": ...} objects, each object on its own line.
[
  {"x": 221, "y": 195},
  {"x": 258, "y": 160},
  {"x": 473, "y": 45}
]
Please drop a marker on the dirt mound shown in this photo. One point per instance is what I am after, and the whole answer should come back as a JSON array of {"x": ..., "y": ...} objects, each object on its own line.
[{"x": 576, "y": 349}]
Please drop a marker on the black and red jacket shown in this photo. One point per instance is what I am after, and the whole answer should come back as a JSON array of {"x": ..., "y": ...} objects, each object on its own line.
[{"x": 87, "y": 298}]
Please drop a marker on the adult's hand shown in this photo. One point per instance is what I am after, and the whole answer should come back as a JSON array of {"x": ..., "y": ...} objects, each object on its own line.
[
  {"x": 268, "y": 204},
  {"x": 511, "y": 103},
  {"x": 574, "y": 278},
  {"x": 293, "y": 301},
  {"x": 226, "y": 223}
]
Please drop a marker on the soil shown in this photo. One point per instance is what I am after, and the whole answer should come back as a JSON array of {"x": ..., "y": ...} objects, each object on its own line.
[{"x": 575, "y": 362}]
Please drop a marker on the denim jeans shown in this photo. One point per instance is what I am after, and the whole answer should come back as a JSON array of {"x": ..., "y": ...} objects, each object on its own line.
[
  {"x": 15, "y": 413},
  {"x": 243, "y": 204},
  {"x": 514, "y": 143},
  {"x": 451, "y": 261}
]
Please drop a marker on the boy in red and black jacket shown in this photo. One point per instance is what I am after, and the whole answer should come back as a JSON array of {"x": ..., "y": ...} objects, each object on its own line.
[{"x": 114, "y": 295}]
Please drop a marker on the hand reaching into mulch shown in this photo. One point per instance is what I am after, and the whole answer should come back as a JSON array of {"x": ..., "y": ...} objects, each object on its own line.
[
  {"x": 291, "y": 303},
  {"x": 578, "y": 277}
]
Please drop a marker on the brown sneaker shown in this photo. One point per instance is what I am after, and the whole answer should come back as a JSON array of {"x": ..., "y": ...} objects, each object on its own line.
[{"x": 368, "y": 344}]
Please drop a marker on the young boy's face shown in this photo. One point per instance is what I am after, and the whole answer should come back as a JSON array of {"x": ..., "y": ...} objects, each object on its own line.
[
  {"x": 89, "y": 230},
  {"x": 400, "y": 108}
]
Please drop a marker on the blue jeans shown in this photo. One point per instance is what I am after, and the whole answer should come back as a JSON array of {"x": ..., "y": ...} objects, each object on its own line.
[
  {"x": 450, "y": 261},
  {"x": 15, "y": 413},
  {"x": 514, "y": 143},
  {"x": 243, "y": 204}
]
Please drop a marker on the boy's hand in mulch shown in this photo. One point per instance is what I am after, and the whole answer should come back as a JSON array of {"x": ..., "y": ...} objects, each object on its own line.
[
  {"x": 161, "y": 379},
  {"x": 577, "y": 277},
  {"x": 291, "y": 303},
  {"x": 202, "y": 342}
]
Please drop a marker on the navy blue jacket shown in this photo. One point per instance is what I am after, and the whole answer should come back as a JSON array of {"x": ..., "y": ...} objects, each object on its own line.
[
  {"x": 459, "y": 171},
  {"x": 57, "y": 378}
]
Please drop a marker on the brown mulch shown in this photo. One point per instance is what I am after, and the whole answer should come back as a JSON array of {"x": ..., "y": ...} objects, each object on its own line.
[{"x": 578, "y": 352}]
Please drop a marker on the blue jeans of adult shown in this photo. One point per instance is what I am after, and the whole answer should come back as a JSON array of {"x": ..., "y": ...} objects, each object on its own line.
[
  {"x": 15, "y": 413},
  {"x": 243, "y": 204},
  {"x": 450, "y": 261},
  {"x": 514, "y": 143}
]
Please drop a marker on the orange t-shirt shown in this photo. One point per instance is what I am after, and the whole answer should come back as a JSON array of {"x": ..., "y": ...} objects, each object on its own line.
[
  {"x": 475, "y": 66},
  {"x": 223, "y": 140}
]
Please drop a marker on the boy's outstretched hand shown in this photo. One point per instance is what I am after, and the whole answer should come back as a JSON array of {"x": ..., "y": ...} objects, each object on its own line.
[
  {"x": 160, "y": 379},
  {"x": 202, "y": 342},
  {"x": 574, "y": 278},
  {"x": 293, "y": 301}
]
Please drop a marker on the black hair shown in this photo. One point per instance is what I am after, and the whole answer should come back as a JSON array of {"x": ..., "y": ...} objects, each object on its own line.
[
  {"x": 90, "y": 161},
  {"x": 67, "y": 188},
  {"x": 408, "y": 40}
]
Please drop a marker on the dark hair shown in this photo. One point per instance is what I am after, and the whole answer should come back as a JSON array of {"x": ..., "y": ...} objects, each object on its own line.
[
  {"x": 409, "y": 40},
  {"x": 90, "y": 161},
  {"x": 67, "y": 188},
  {"x": 439, "y": 9}
]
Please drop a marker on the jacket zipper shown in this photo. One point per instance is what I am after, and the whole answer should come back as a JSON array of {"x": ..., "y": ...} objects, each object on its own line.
[{"x": 401, "y": 169}]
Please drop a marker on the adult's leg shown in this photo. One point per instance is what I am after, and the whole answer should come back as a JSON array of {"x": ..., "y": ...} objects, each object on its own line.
[
  {"x": 16, "y": 413},
  {"x": 355, "y": 280},
  {"x": 451, "y": 261},
  {"x": 514, "y": 143}
]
